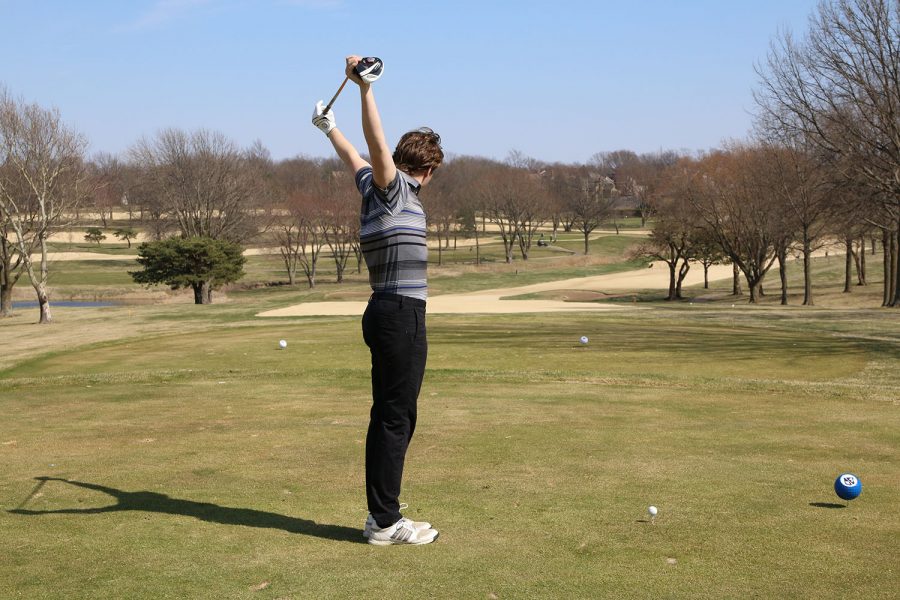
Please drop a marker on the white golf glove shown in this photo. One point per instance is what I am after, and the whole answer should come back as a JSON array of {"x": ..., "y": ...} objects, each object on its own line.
[{"x": 325, "y": 122}]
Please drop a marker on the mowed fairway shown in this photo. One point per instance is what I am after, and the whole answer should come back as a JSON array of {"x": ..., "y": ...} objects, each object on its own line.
[{"x": 236, "y": 468}]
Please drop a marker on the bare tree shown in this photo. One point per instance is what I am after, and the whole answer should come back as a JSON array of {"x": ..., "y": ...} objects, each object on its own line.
[
  {"x": 299, "y": 227},
  {"x": 706, "y": 250},
  {"x": 340, "y": 219},
  {"x": 840, "y": 88},
  {"x": 42, "y": 178},
  {"x": 511, "y": 197},
  {"x": 10, "y": 258},
  {"x": 728, "y": 191},
  {"x": 206, "y": 184},
  {"x": 107, "y": 183},
  {"x": 556, "y": 184},
  {"x": 639, "y": 176},
  {"x": 301, "y": 236},
  {"x": 586, "y": 194},
  {"x": 676, "y": 231},
  {"x": 461, "y": 177},
  {"x": 800, "y": 183},
  {"x": 443, "y": 209}
]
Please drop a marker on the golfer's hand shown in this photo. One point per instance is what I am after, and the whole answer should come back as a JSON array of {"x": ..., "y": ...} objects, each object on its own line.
[
  {"x": 350, "y": 70},
  {"x": 325, "y": 122}
]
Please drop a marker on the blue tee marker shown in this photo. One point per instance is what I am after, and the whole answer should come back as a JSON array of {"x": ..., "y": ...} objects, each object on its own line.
[{"x": 847, "y": 486}]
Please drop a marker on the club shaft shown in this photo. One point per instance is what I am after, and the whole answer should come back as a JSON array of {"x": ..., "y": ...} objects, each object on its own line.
[
  {"x": 336, "y": 94},
  {"x": 36, "y": 489}
]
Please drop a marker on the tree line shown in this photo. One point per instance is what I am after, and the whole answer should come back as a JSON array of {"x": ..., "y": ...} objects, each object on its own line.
[
  {"x": 198, "y": 196},
  {"x": 821, "y": 164}
]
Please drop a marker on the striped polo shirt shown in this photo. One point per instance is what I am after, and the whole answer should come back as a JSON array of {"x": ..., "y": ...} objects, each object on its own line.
[{"x": 392, "y": 235}]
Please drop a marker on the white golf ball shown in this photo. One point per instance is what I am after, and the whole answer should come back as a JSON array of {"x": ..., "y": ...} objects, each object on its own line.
[
  {"x": 282, "y": 343},
  {"x": 652, "y": 510},
  {"x": 584, "y": 339}
]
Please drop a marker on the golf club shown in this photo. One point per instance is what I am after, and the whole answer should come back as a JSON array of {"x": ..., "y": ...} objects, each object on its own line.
[
  {"x": 37, "y": 488},
  {"x": 369, "y": 69}
]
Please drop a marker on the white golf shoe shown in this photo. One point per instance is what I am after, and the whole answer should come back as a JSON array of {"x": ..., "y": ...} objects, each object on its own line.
[
  {"x": 370, "y": 522},
  {"x": 402, "y": 532}
]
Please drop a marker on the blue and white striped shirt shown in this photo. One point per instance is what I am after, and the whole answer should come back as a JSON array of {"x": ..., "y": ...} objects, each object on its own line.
[{"x": 392, "y": 235}]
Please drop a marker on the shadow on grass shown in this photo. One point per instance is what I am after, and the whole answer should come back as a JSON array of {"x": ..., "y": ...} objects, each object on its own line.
[
  {"x": 205, "y": 511},
  {"x": 827, "y": 505}
]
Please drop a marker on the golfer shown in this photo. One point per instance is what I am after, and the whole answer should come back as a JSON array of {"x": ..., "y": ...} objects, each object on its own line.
[{"x": 392, "y": 238}]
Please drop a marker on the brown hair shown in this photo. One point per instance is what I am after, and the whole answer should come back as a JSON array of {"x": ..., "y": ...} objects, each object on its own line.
[{"x": 419, "y": 150}]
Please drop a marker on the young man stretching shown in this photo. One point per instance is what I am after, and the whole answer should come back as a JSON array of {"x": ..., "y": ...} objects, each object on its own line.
[{"x": 392, "y": 238}]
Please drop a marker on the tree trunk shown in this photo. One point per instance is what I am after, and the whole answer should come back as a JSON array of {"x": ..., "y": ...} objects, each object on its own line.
[
  {"x": 477, "y": 249},
  {"x": 886, "y": 243},
  {"x": 858, "y": 254},
  {"x": 895, "y": 259},
  {"x": 40, "y": 286},
  {"x": 672, "y": 266},
  {"x": 682, "y": 273},
  {"x": 807, "y": 270},
  {"x": 5, "y": 301},
  {"x": 290, "y": 264},
  {"x": 736, "y": 281},
  {"x": 202, "y": 292},
  {"x": 44, "y": 303},
  {"x": 440, "y": 252},
  {"x": 848, "y": 264},
  {"x": 782, "y": 272},
  {"x": 754, "y": 290},
  {"x": 861, "y": 263},
  {"x": 6, "y": 280}
]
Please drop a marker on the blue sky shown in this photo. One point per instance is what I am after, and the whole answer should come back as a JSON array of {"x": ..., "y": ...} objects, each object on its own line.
[{"x": 558, "y": 81}]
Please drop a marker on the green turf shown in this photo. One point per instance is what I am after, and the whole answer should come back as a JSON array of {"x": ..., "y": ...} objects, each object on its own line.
[{"x": 238, "y": 466}]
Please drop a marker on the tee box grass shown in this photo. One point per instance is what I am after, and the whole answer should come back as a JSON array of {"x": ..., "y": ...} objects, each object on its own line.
[{"x": 195, "y": 459}]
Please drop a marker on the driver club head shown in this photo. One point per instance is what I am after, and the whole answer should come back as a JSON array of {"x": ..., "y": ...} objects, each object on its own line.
[{"x": 369, "y": 68}]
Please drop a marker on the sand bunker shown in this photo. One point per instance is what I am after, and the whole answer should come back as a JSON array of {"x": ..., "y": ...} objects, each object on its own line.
[{"x": 492, "y": 301}]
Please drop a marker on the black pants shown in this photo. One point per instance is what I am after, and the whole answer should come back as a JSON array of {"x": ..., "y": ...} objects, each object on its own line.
[{"x": 394, "y": 330}]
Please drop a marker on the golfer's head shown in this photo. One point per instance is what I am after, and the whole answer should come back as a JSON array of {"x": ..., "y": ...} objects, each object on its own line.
[{"x": 419, "y": 153}]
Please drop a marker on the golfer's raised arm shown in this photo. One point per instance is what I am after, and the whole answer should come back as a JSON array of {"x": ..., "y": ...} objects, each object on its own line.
[
  {"x": 346, "y": 151},
  {"x": 383, "y": 169}
]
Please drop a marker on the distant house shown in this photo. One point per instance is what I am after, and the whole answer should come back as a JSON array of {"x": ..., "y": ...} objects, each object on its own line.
[{"x": 627, "y": 206}]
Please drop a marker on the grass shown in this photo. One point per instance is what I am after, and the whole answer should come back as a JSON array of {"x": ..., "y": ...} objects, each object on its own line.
[
  {"x": 173, "y": 451},
  {"x": 237, "y": 471}
]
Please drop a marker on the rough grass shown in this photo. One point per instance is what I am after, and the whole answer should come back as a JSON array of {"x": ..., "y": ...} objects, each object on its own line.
[{"x": 237, "y": 467}]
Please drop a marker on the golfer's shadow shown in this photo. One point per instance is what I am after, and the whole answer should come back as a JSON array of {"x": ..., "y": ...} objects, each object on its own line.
[{"x": 205, "y": 511}]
